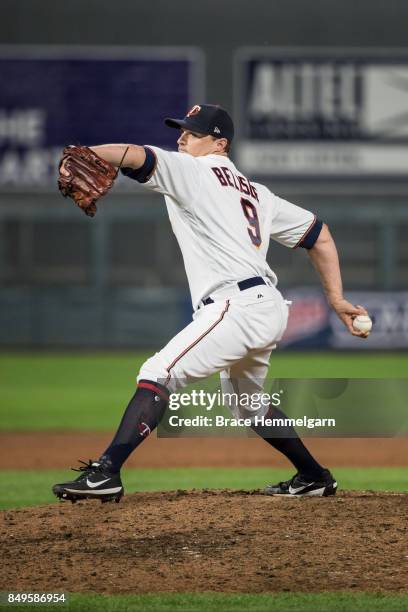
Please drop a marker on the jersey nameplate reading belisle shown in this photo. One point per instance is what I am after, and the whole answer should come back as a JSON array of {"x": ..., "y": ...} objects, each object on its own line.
[{"x": 228, "y": 178}]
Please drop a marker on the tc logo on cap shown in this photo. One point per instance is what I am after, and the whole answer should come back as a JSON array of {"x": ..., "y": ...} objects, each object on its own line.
[{"x": 196, "y": 109}]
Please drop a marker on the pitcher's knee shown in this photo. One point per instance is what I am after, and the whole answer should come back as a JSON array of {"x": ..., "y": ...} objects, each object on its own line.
[
  {"x": 156, "y": 368},
  {"x": 250, "y": 407}
]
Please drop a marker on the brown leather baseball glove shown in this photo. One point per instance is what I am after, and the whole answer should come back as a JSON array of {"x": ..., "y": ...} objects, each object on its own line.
[{"x": 85, "y": 177}]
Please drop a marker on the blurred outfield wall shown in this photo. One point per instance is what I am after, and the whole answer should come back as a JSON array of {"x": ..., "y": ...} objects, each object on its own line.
[{"x": 118, "y": 279}]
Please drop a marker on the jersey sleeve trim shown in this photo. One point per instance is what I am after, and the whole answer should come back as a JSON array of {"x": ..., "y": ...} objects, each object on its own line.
[
  {"x": 311, "y": 235},
  {"x": 145, "y": 172}
]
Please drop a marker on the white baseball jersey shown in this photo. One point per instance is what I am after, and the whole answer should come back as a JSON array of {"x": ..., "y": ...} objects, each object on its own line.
[
  {"x": 223, "y": 224},
  {"x": 222, "y": 221}
]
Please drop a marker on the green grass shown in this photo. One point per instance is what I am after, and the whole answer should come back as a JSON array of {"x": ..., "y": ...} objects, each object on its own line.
[
  {"x": 90, "y": 391},
  {"x": 31, "y": 488},
  {"x": 233, "y": 602},
  {"x": 40, "y": 391},
  {"x": 217, "y": 602}
]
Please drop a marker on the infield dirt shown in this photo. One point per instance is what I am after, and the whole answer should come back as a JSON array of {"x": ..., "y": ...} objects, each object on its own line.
[
  {"x": 61, "y": 449},
  {"x": 209, "y": 541}
]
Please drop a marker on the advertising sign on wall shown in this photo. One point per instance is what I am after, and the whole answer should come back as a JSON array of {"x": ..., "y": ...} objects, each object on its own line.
[
  {"x": 51, "y": 97},
  {"x": 322, "y": 113}
]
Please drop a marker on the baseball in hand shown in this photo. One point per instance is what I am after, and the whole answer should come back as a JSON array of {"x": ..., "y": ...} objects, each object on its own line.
[{"x": 362, "y": 323}]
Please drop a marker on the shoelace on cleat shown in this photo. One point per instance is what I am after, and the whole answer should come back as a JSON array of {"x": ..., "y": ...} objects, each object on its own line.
[
  {"x": 286, "y": 483},
  {"x": 86, "y": 466}
]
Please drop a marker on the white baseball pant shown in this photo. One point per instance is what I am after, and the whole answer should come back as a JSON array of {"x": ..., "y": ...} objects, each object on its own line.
[{"x": 234, "y": 336}]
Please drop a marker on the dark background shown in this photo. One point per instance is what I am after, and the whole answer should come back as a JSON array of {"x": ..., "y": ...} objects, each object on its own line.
[{"x": 218, "y": 27}]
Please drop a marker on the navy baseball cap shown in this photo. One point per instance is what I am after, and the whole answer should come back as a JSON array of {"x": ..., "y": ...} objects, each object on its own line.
[{"x": 208, "y": 119}]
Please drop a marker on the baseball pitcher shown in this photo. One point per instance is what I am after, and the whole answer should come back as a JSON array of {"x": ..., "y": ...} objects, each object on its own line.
[{"x": 223, "y": 223}]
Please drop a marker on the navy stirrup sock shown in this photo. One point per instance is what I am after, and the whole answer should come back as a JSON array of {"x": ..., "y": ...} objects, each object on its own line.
[
  {"x": 144, "y": 412},
  {"x": 290, "y": 445}
]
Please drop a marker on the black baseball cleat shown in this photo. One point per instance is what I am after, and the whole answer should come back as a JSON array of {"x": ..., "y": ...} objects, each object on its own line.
[
  {"x": 95, "y": 482},
  {"x": 299, "y": 486}
]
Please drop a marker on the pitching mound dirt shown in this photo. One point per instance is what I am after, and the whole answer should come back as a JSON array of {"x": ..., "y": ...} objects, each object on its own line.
[{"x": 209, "y": 541}]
